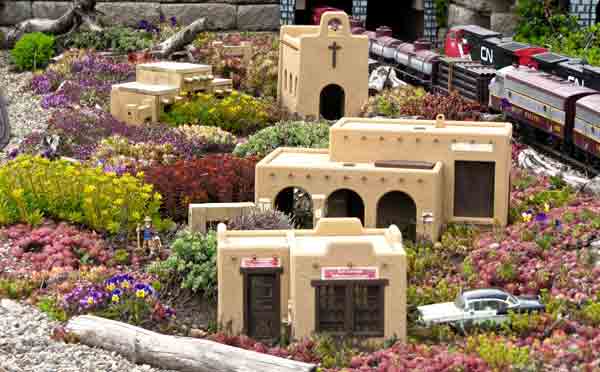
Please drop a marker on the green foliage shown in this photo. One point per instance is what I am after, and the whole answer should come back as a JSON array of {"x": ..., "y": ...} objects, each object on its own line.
[
  {"x": 591, "y": 313},
  {"x": 121, "y": 256},
  {"x": 192, "y": 263},
  {"x": 16, "y": 289},
  {"x": 50, "y": 306},
  {"x": 523, "y": 324},
  {"x": 118, "y": 39},
  {"x": 499, "y": 354},
  {"x": 285, "y": 134},
  {"x": 542, "y": 23},
  {"x": 441, "y": 12},
  {"x": 334, "y": 353},
  {"x": 391, "y": 102},
  {"x": 418, "y": 295},
  {"x": 33, "y": 186},
  {"x": 237, "y": 113},
  {"x": 458, "y": 239},
  {"x": 33, "y": 51}
]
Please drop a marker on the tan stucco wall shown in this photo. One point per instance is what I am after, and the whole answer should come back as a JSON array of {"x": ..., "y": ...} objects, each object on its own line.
[
  {"x": 305, "y": 55},
  {"x": 348, "y": 144},
  {"x": 334, "y": 242},
  {"x": 423, "y": 186},
  {"x": 306, "y": 266}
]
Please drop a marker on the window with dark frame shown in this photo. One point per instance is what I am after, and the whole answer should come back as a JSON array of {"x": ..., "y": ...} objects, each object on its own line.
[
  {"x": 474, "y": 183},
  {"x": 350, "y": 307}
]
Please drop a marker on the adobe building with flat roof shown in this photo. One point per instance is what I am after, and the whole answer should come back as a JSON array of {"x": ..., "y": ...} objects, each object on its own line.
[
  {"x": 339, "y": 278},
  {"x": 416, "y": 174}
]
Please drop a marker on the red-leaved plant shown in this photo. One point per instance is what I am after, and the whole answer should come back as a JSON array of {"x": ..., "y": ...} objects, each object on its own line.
[{"x": 220, "y": 178}]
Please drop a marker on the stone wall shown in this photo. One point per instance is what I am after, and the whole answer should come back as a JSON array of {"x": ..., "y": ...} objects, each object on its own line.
[
  {"x": 499, "y": 15},
  {"x": 251, "y": 15}
]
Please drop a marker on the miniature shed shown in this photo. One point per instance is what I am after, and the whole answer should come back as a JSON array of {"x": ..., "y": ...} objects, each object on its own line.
[
  {"x": 323, "y": 70},
  {"x": 415, "y": 174},
  {"x": 339, "y": 278}
]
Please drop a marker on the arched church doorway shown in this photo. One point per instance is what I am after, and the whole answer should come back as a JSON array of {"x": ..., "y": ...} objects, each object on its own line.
[
  {"x": 399, "y": 209},
  {"x": 332, "y": 102},
  {"x": 305, "y": 9},
  {"x": 345, "y": 203},
  {"x": 296, "y": 203}
]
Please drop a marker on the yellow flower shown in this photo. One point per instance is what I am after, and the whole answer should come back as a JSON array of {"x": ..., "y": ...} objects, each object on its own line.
[
  {"x": 526, "y": 216},
  {"x": 157, "y": 197},
  {"x": 125, "y": 284},
  {"x": 89, "y": 189},
  {"x": 111, "y": 287},
  {"x": 119, "y": 202},
  {"x": 546, "y": 207},
  {"x": 140, "y": 293},
  {"x": 115, "y": 298},
  {"x": 90, "y": 300},
  {"x": 140, "y": 174},
  {"x": 17, "y": 193}
]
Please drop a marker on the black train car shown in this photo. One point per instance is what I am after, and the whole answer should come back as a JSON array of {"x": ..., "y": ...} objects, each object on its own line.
[
  {"x": 572, "y": 69},
  {"x": 470, "y": 79}
]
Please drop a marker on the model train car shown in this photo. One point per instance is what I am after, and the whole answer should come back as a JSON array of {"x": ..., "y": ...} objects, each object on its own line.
[
  {"x": 491, "y": 48},
  {"x": 549, "y": 107}
]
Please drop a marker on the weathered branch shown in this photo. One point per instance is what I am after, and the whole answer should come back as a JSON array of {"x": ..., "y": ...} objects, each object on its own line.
[
  {"x": 4, "y": 125},
  {"x": 178, "y": 353},
  {"x": 180, "y": 39}
]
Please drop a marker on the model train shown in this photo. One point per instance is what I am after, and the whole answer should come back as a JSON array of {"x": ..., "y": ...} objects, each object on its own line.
[{"x": 551, "y": 97}]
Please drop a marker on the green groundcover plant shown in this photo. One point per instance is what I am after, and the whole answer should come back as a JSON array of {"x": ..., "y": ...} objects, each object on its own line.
[
  {"x": 34, "y": 187},
  {"x": 33, "y": 51}
]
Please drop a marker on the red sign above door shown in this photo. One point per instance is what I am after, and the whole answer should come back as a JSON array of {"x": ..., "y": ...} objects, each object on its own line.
[
  {"x": 349, "y": 273},
  {"x": 257, "y": 263}
]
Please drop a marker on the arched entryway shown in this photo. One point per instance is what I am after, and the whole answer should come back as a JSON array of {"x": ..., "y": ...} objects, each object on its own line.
[
  {"x": 332, "y": 102},
  {"x": 296, "y": 203},
  {"x": 399, "y": 209},
  {"x": 345, "y": 203}
]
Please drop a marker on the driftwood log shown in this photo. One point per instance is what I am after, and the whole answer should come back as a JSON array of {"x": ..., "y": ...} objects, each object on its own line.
[
  {"x": 177, "y": 353},
  {"x": 179, "y": 40},
  {"x": 81, "y": 13},
  {"x": 4, "y": 125}
]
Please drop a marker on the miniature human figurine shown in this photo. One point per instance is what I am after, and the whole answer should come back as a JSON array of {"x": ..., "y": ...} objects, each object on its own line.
[{"x": 151, "y": 240}]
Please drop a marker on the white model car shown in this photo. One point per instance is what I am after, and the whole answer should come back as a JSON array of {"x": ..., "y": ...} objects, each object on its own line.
[{"x": 477, "y": 306}]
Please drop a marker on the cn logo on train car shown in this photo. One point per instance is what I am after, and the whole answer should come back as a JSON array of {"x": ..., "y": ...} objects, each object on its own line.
[
  {"x": 577, "y": 81},
  {"x": 487, "y": 55}
]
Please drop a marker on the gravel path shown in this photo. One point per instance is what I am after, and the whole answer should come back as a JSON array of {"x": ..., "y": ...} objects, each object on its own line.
[
  {"x": 24, "y": 110},
  {"x": 25, "y": 346}
]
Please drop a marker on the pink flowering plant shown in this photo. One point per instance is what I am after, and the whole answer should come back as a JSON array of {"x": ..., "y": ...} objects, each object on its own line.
[{"x": 122, "y": 298}]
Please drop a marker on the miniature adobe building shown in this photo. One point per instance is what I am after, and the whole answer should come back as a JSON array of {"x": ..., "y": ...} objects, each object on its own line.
[
  {"x": 338, "y": 278},
  {"x": 323, "y": 70},
  {"x": 159, "y": 84},
  {"x": 416, "y": 174}
]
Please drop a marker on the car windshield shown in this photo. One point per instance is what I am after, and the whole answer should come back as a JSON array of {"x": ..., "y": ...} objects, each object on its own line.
[
  {"x": 459, "y": 302},
  {"x": 512, "y": 300}
]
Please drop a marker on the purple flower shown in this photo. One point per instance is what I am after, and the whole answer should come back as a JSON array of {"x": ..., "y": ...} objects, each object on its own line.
[
  {"x": 541, "y": 218},
  {"x": 173, "y": 21},
  {"x": 161, "y": 18},
  {"x": 143, "y": 24}
]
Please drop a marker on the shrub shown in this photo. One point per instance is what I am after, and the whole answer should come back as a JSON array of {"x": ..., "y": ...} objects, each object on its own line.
[
  {"x": 33, "y": 51},
  {"x": 17, "y": 288},
  {"x": 118, "y": 39},
  {"x": 237, "y": 113},
  {"x": 390, "y": 102},
  {"x": 119, "y": 298},
  {"x": 51, "y": 307},
  {"x": 285, "y": 134},
  {"x": 82, "y": 79},
  {"x": 192, "y": 263},
  {"x": 31, "y": 187},
  {"x": 209, "y": 135},
  {"x": 261, "y": 76},
  {"x": 258, "y": 219},
  {"x": 218, "y": 178},
  {"x": 118, "y": 154},
  {"x": 81, "y": 132},
  {"x": 51, "y": 246},
  {"x": 500, "y": 354}
]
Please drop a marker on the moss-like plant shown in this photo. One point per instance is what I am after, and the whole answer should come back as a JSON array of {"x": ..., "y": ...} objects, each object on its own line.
[{"x": 33, "y": 51}]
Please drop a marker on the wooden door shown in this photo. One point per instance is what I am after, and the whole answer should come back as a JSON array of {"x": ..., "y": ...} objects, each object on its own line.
[
  {"x": 263, "y": 306},
  {"x": 474, "y": 189}
]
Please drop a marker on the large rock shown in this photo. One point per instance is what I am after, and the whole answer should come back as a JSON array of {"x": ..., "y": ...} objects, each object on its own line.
[
  {"x": 485, "y": 6},
  {"x": 505, "y": 23},
  {"x": 258, "y": 17},
  {"x": 50, "y": 9},
  {"x": 458, "y": 15},
  {"x": 218, "y": 16},
  {"x": 13, "y": 12},
  {"x": 128, "y": 14}
]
